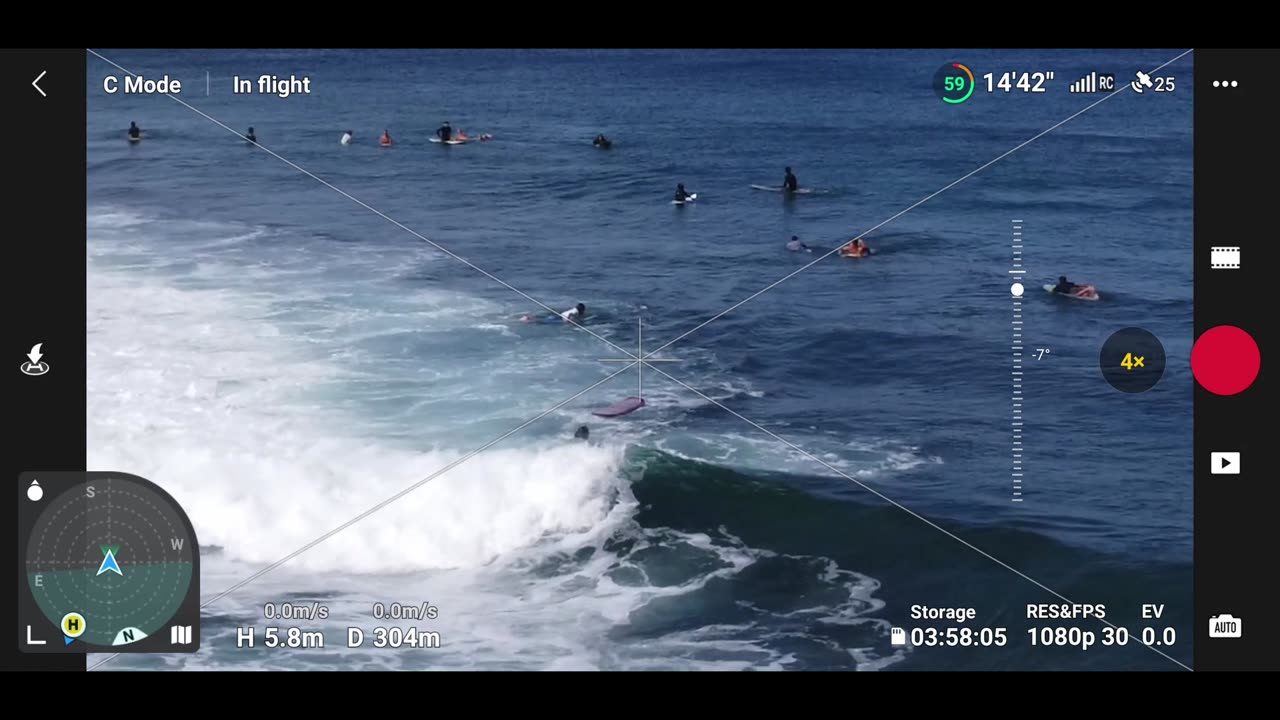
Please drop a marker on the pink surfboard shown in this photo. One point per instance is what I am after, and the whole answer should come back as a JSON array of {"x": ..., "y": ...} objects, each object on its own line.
[{"x": 620, "y": 408}]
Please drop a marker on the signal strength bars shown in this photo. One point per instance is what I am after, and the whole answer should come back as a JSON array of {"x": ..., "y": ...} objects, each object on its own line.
[{"x": 1094, "y": 82}]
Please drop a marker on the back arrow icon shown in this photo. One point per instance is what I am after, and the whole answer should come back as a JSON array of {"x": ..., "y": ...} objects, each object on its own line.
[{"x": 38, "y": 79}]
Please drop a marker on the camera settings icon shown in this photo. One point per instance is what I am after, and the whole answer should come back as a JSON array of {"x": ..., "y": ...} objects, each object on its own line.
[{"x": 1224, "y": 626}]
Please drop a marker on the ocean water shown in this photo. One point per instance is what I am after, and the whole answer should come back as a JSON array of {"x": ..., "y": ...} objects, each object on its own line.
[{"x": 280, "y": 357}]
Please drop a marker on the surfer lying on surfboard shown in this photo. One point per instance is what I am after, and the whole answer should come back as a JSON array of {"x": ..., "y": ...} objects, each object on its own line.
[
  {"x": 1066, "y": 287},
  {"x": 575, "y": 314}
]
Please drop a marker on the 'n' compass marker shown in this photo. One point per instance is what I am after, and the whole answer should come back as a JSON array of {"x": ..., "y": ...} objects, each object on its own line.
[
  {"x": 109, "y": 563},
  {"x": 639, "y": 361}
]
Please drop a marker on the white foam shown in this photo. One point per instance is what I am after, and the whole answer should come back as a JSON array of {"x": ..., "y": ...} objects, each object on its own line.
[{"x": 185, "y": 390}]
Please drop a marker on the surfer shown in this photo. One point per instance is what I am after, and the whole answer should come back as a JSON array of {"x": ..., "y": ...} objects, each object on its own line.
[
  {"x": 251, "y": 137},
  {"x": 789, "y": 183},
  {"x": 855, "y": 248},
  {"x": 1064, "y": 286},
  {"x": 681, "y": 195},
  {"x": 485, "y": 137},
  {"x": 796, "y": 246},
  {"x": 445, "y": 133},
  {"x": 135, "y": 132},
  {"x": 602, "y": 142},
  {"x": 385, "y": 140},
  {"x": 575, "y": 314},
  {"x": 582, "y": 433},
  {"x": 347, "y": 137}
]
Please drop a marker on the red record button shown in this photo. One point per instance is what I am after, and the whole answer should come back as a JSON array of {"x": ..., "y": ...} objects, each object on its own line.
[{"x": 1225, "y": 360}]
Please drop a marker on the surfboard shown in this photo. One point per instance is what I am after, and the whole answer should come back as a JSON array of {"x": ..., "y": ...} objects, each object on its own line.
[
  {"x": 542, "y": 320},
  {"x": 691, "y": 198},
  {"x": 778, "y": 188},
  {"x": 1092, "y": 298},
  {"x": 620, "y": 408},
  {"x": 135, "y": 139},
  {"x": 448, "y": 142}
]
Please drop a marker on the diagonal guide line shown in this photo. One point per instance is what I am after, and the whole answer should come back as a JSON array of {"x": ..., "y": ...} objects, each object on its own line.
[
  {"x": 368, "y": 207},
  {"x": 898, "y": 505},
  {"x": 911, "y": 207},
  {"x": 393, "y": 498}
]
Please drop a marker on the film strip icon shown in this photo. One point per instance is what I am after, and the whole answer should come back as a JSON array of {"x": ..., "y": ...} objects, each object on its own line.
[{"x": 1224, "y": 258}]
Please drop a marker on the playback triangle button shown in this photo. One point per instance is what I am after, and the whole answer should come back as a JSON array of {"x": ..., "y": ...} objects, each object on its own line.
[{"x": 1224, "y": 463}]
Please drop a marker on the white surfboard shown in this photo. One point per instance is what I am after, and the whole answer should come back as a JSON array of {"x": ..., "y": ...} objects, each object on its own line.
[
  {"x": 778, "y": 188},
  {"x": 691, "y": 198}
]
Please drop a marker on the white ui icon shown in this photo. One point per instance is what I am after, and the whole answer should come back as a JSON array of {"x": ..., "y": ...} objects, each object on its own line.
[
  {"x": 1224, "y": 258},
  {"x": 1224, "y": 626},
  {"x": 1224, "y": 463}
]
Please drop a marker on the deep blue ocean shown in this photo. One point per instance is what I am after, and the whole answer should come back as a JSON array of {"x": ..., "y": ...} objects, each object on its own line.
[{"x": 280, "y": 357}]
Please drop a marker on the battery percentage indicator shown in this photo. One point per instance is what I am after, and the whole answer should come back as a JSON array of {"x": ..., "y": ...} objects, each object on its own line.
[{"x": 953, "y": 83}]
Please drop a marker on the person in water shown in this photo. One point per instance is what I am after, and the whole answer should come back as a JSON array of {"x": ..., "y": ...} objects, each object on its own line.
[
  {"x": 601, "y": 141},
  {"x": 251, "y": 137},
  {"x": 796, "y": 246},
  {"x": 445, "y": 133},
  {"x": 582, "y": 433},
  {"x": 386, "y": 137},
  {"x": 575, "y": 314},
  {"x": 135, "y": 131},
  {"x": 1064, "y": 286},
  {"x": 856, "y": 248},
  {"x": 681, "y": 194},
  {"x": 789, "y": 183}
]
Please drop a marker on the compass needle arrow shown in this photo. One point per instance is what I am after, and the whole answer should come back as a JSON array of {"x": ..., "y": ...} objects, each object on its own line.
[{"x": 109, "y": 562}]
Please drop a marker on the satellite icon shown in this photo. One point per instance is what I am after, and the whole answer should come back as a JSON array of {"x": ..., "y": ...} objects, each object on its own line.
[{"x": 1143, "y": 81}]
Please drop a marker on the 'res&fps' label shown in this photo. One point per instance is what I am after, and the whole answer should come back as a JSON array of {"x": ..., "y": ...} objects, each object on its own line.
[{"x": 297, "y": 637}]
